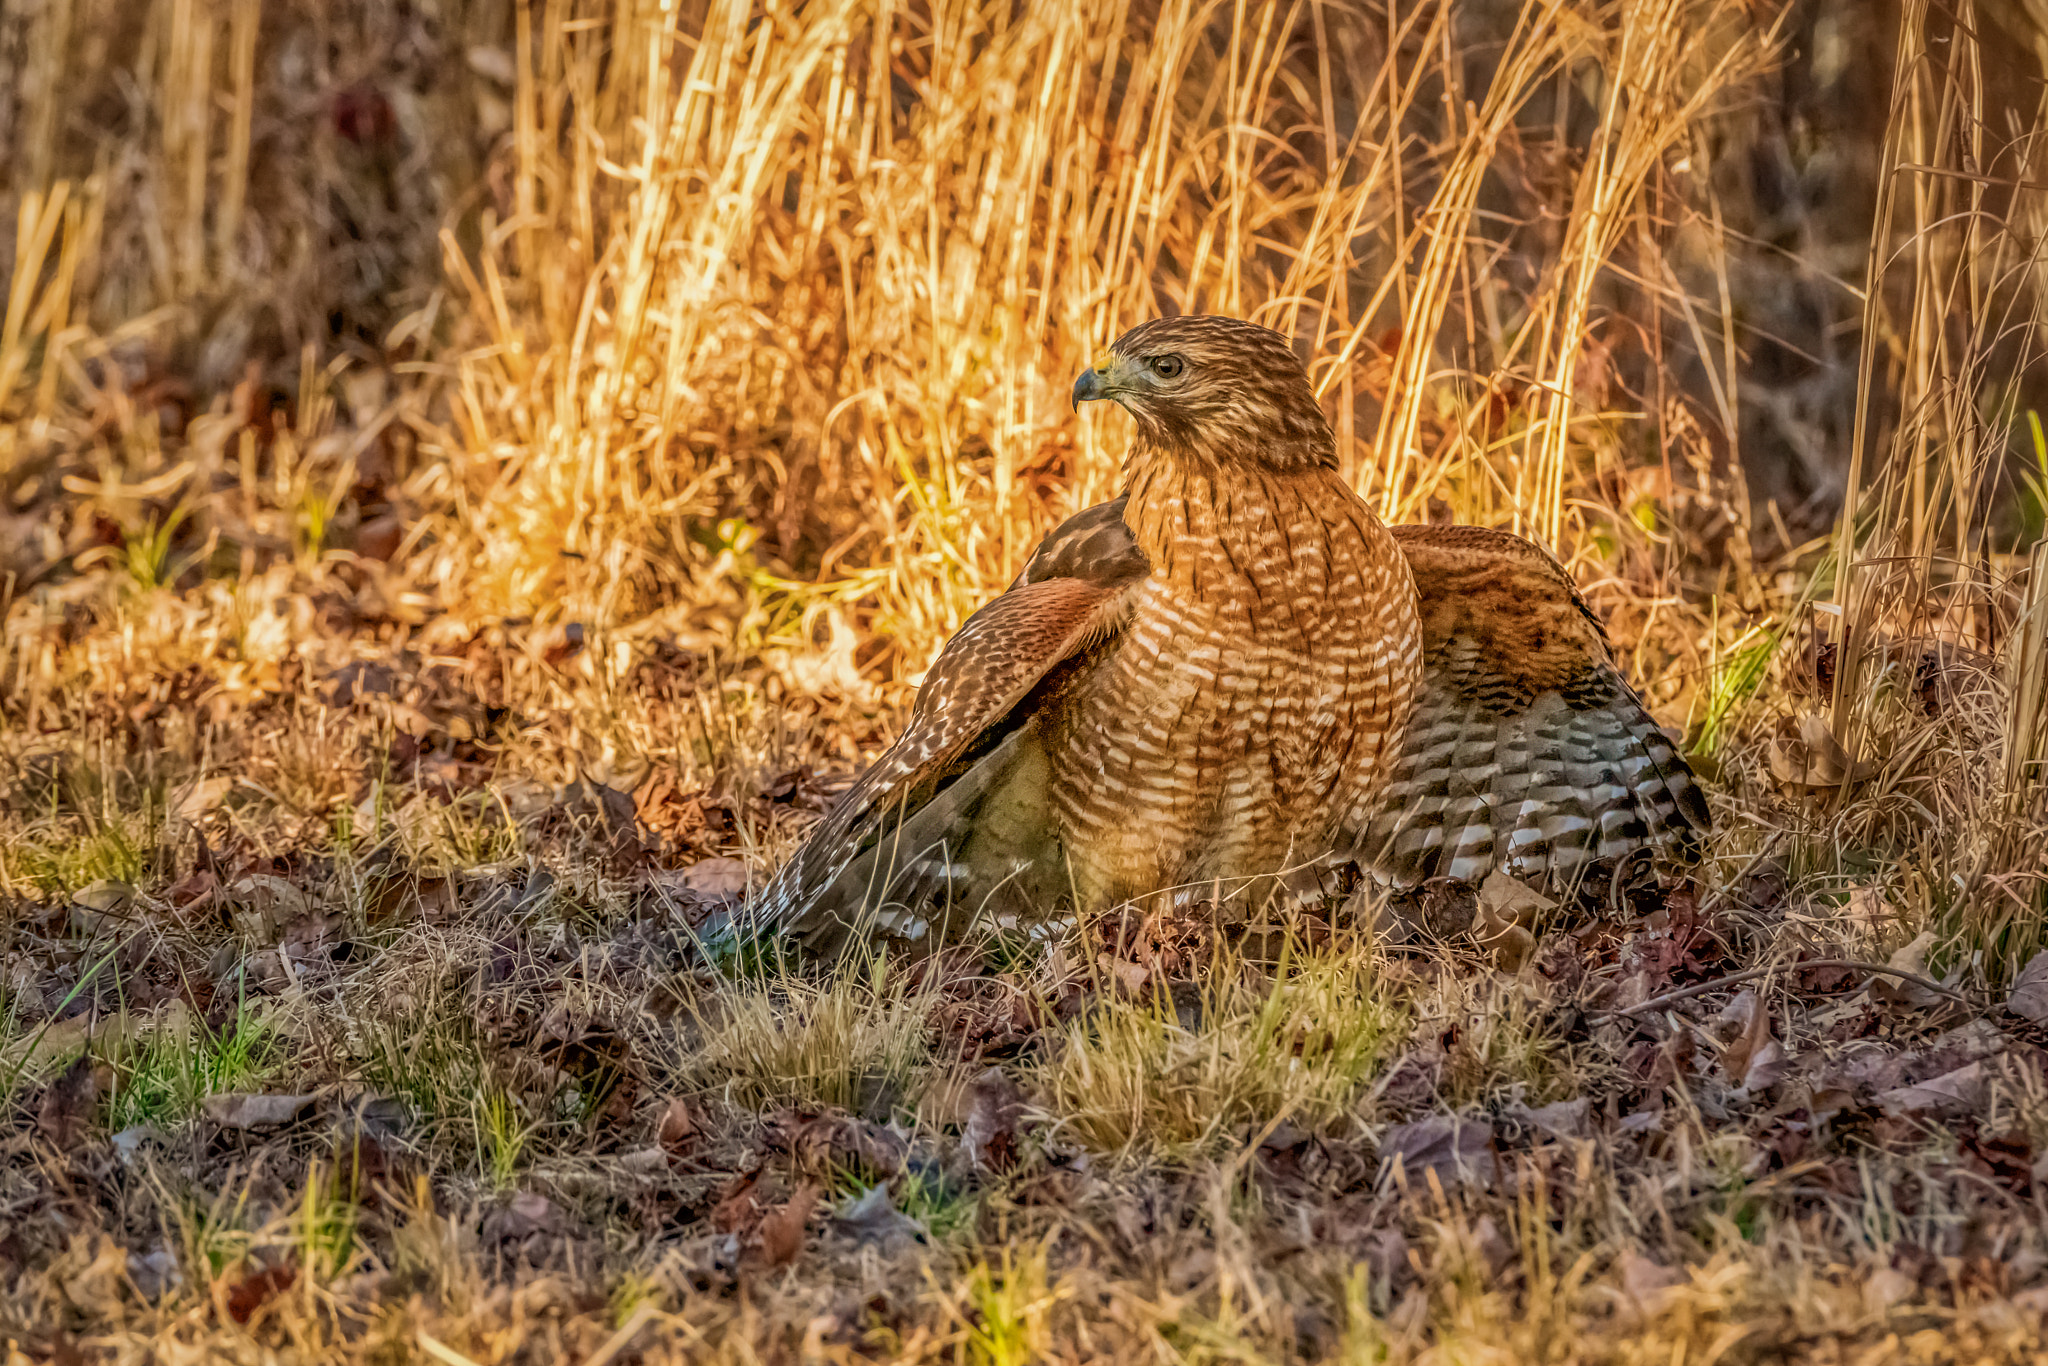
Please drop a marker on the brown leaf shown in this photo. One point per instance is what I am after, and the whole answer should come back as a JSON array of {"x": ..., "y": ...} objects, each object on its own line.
[
  {"x": 264, "y": 904},
  {"x": 1504, "y": 901},
  {"x": 837, "y": 1144},
  {"x": 1559, "y": 1119},
  {"x": 1952, "y": 1093},
  {"x": 1767, "y": 1067},
  {"x": 782, "y": 1228},
  {"x": 2006, "y": 1158},
  {"x": 1898, "y": 990},
  {"x": 1885, "y": 1287},
  {"x": 197, "y": 799},
  {"x": 1458, "y": 1149},
  {"x": 678, "y": 1131},
  {"x": 1130, "y": 977},
  {"x": 67, "y": 1107},
  {"x": 1746, "y": 1025},
  {"x": 1815, "y": 760},
  {"x": 994, "y": 1110},
  {"x": 194, "y": 893},
  {"x": 246, "y": 1112},
  {"x": 2029, "y": 999},
  {"x": 738, "y": 1210},
  {"x": 254, "y": 1291},
  {"x": 1648, "y": 1283},
  {"x": 524, "y": 1215},
  {"x": 562, "y": 642},
  {"x": 716, "y": 877},
  {"x": 1868, "y": 909}
]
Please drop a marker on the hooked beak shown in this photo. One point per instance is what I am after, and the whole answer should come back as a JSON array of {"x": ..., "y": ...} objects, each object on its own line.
[{"x": 1091, "y": 385}]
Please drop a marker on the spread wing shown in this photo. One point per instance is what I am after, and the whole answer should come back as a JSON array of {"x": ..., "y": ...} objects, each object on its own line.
[
  {"x": 955, "y": 808},
  {"x": 1527, "y": 750}
]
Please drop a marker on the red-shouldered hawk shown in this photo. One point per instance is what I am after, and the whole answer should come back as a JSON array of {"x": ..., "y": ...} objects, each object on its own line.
[{"x": 1211, "y": 680}]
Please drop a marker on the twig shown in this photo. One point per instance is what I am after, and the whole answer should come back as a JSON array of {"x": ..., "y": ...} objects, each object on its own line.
[{"x": 1751, "y": 974}]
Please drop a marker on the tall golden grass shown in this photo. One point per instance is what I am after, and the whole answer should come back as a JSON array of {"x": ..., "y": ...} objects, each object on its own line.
[{"x": 875, "y": 281}]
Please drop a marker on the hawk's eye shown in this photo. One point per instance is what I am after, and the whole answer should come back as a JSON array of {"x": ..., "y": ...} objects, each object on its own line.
[{"x": 1166, "y": 367}]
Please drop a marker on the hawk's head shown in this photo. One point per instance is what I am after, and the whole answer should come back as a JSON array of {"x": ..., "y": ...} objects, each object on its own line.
[{"x": 1217, "y": 389}]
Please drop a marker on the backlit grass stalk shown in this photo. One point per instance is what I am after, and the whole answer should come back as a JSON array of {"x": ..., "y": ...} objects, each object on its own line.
[{"x": 1648, "y": 106}]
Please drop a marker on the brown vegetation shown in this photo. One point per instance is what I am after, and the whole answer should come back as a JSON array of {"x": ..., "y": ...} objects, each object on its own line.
[{"x": 475, "y": 479}]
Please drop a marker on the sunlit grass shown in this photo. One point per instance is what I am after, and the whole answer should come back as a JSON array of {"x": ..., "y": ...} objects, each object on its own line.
[{"x": 1152, "y": 1073}]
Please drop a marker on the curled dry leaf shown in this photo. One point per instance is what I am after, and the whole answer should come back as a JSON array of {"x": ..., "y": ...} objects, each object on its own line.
[
  {"x": 995, "y": 1108},
  {"x": 2029, "y": 999},
  {"x": 247, "y": 1113},
  {"x": 678, "y": 1130},
  {"x": 782, "y": 1228},
  {"x": 1898, "y": 990},
  {"x": 1752, "y": 1060},
  {"x": 1815, "y": 760},
  {"x": 1959, "y": 1092},
  {"x": 1457, "y": 1148},
  {"x": 197, "y": 799}
]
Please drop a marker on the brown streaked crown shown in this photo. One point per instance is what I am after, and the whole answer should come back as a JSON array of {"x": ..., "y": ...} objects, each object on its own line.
[{"x": 1215, "y": 389}]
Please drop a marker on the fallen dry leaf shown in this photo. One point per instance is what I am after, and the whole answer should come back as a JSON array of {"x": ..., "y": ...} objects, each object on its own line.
[
  {"x": 1504, "y": 900},
  {"x": 782, "y": 1228},
  {"x": 1767, "y": 1067},
  {"x": 1899, "y": 991},
  {"x": 995, "y": 1108},
  {"x": 66, "y": 1111},
  {"x": 2029, "y": 999},
  {"x": 1815, "y": 760},
  {"x": 872, "y": 1217},
  {"x": 677, "y": 1133},
  {"x": 738, "y": 1209},
  {"x": 1885, "y": 1287},
  {"x": 264, "y": 904},
  {"x": 194, "y": 801},
  {"x": 1952, "y": 1093},
  {"x": 1559, "y": 1119},
  {"x": 250, "y": 1112},
  {"x": 1458, "y": 1149},
  {"x": 1650, "y": 1284},
  {"x": 716, "y": 877},
  {"x": 1746, "y": 1026},
  {"x": 840, "y": 1143},
  {"x": 524, "y": 1215},
  {"x": 254, "y": 1291},
  {"x": 1868, "y": 909}
]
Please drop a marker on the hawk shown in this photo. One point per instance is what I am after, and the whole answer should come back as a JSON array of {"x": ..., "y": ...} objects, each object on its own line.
[{"x": 1232, "y": 670}]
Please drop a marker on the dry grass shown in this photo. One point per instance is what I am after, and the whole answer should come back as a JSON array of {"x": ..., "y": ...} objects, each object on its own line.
[{"x": 474, "y": 479}]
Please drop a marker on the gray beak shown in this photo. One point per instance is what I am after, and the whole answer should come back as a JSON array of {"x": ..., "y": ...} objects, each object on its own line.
[{"x": 1087, "y": 387}]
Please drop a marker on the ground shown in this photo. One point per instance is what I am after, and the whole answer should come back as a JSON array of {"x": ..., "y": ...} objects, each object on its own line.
[{"x": 374, "y": 1038}]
